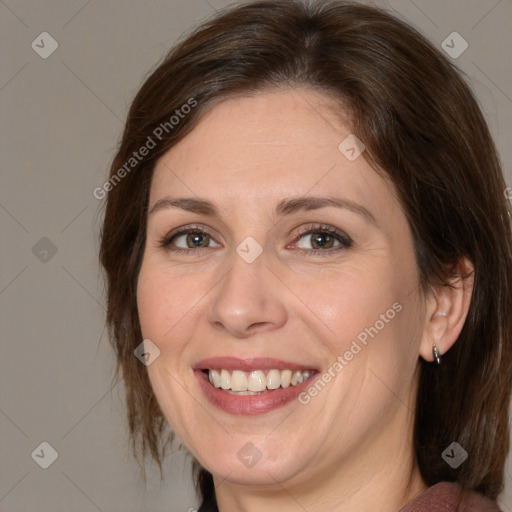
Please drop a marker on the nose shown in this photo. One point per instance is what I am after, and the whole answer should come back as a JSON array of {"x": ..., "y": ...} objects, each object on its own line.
[{"x": 248, "y": 299}]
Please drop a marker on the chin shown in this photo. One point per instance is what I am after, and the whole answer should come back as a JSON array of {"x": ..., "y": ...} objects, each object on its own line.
[{"x": 262, "y": 465}]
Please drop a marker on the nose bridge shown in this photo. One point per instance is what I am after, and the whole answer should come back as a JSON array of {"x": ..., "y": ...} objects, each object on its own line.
[
  {"x": 247, "y": 298},
  {"x": 244, "y": 277}
]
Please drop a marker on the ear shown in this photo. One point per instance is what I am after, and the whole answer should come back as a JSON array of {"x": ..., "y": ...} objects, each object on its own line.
[{"x": 447, "y": 307}]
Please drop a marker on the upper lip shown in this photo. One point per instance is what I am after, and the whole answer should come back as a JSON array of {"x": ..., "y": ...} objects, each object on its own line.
[{"x": 250, "y": 364}]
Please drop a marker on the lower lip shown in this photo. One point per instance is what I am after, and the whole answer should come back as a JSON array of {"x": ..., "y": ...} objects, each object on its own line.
[{"x": 249, "y": 405}]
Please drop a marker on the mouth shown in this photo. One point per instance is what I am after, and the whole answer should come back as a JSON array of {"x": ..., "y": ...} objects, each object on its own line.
[{"x": 255, "y": 386}]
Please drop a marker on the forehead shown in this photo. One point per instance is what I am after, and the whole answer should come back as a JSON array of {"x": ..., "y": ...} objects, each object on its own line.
[{"x": 266, "y": 147}]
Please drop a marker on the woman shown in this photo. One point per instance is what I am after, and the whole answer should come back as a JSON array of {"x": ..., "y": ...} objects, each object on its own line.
[{"x": 306, "y": 225}]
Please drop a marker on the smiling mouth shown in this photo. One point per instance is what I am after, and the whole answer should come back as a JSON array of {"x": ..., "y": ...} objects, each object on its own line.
[
  {"x": 255, "y": 382},
  {"x": 254, "y": 385}
]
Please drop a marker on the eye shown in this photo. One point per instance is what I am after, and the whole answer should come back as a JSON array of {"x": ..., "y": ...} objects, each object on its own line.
[
  {"x": 187, "y": 239},
  {"x": 322, "y": 238}
]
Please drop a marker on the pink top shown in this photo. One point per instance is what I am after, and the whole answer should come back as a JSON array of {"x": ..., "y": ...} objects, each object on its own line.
[{"x": 448, "y": 497}]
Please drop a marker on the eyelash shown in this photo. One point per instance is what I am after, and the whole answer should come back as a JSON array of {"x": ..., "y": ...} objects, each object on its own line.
[{"x": 344, "y": 240}]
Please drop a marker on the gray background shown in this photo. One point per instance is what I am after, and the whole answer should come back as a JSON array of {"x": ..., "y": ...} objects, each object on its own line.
[{"x": 61, "y": 119}]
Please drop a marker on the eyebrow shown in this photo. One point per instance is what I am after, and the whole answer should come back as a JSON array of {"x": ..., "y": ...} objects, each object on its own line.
[{"x": 284, "y": 207}]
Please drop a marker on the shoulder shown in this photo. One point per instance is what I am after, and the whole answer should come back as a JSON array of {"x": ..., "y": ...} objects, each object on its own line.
[{"x": 449, "y": 497}]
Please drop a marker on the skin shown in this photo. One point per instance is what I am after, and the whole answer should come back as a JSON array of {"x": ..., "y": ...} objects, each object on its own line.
[{"x": 351, "y": 446}]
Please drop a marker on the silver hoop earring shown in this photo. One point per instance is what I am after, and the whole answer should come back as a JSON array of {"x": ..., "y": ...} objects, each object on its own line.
[{"x": 437, "y": 356}]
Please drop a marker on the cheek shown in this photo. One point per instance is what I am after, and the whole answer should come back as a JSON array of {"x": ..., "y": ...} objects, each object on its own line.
[
  {"x": 152, "y": 304},
  {"x": 164, "y": 302},
  {"x": 373, "y": 317},
  {"x": 164, "y": 307},
  {"x": 346, "y": 304}
]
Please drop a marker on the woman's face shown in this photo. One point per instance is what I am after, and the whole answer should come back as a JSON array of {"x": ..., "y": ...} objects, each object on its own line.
[{"x": 270, "y": 250}]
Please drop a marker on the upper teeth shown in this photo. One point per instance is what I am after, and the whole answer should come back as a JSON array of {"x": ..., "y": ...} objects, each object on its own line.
[{"x": 256, "y": 380}]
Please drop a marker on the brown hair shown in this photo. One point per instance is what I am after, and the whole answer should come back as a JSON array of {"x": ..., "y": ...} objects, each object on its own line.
[{"x": 421, "y": 126}]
